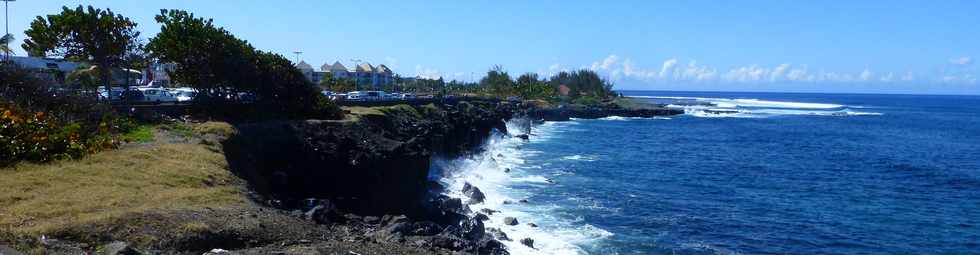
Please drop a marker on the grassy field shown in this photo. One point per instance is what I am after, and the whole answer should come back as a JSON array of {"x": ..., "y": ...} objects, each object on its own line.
[{"x": 40, "y": 198}]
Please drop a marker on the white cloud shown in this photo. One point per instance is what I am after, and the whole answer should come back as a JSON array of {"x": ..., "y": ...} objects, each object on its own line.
[
  {"x": 667, "y": 68},
  {"x": 866, "y": 75},
  {"x": 888, "y": 77},
  {"x": 671, "y": 70},
  {"x": 908, "y": 77},
  {"x": 777, "y": 74},
  {"x": 606, "y": 63},
  {"x": 962, "y": 61},
  {"x": 798, "y": 74},
  {"x": 426, "y": 73}
]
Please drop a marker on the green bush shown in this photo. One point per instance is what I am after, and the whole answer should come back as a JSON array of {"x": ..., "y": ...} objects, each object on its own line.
[{"x": 34, "y": 136}]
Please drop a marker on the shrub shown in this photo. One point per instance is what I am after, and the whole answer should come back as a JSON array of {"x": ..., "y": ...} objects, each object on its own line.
[{"x": 33, "y": 136}]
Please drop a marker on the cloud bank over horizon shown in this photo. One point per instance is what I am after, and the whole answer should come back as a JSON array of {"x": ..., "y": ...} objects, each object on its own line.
[{"x": 959, "y": 71}]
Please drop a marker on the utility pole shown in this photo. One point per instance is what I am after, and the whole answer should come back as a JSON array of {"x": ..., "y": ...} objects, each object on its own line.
[
  {"x": 6, "y": 31},
  {"x": 297, "y": 56}
]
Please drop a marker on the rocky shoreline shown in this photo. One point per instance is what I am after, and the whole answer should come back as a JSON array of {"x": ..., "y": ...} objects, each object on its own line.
[{"x": 354, "y": 186}]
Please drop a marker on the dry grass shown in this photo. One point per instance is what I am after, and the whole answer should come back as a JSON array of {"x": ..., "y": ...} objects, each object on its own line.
[
  {"x": 357, "y": 111},
  {"x": 222, "y": 129},
  {"x": 37, "y": 199}
]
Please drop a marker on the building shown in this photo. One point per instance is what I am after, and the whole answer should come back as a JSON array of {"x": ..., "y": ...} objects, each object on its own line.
[
  {"x": 363, "y": 74},
  {"x": 49, "y": 69}
]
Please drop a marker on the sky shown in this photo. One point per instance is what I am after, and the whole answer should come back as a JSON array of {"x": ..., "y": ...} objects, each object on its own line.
[{"x": 917, "y": 47}]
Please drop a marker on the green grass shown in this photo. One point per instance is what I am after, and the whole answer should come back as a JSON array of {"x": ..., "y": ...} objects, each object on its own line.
[
  {"x": 181, "y": 129},
  {"x": 140, "y": 134}
]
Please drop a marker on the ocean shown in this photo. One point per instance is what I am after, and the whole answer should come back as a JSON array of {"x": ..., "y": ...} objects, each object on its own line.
[{"x": 741, "y": 173}]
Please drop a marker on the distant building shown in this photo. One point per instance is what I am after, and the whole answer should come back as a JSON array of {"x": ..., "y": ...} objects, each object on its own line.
[
  {"x": 158, "y": 73},
  {"x": 50, "y": 69},
  {"x": 363, "y": 74}
]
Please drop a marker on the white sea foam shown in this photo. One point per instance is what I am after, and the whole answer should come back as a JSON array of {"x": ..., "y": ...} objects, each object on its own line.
[
  {"x": 620, "y": 118},
  {"x": 487, "y": 172},
  {"x": 580, "y": 158},
  {"x": 707, "y": 107}
]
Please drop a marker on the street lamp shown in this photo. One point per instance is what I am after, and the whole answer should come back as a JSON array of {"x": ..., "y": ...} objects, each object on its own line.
[
  {"x": 6, "y": 31},
  {"x": 297, "y": 56}
]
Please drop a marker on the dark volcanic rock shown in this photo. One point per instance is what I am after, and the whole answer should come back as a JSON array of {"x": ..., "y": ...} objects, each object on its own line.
[
  {"x": 532, "y": 225},
  {"x": 511, "y": 221},
  {"x": 376, "y": 165},
  {"x": 472, "y": 229},
  {"x": 481, "y": 217},
  {"x": 489, "y": 211},
  {"x": 528, "y": 241},
  {"x": 498, "y": 234},
  {"x": 595, "y": 112},
  {"x": 476, "y": 196}
]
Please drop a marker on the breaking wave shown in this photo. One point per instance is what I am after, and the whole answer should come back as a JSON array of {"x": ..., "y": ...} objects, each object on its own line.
[
  {"x": 707, "y": 107},
  {"x": 497, "y": 171}
]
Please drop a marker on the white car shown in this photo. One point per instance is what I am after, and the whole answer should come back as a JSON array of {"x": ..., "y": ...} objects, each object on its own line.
[
  {"x": 157, "y": 95},
  {"x": 184, "y": 94}
]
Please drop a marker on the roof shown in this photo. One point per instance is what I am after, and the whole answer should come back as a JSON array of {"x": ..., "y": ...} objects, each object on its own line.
[
  {"x": 382, "y": 69},
  {"x": 304, "y": 66},
  {"x": 45, "y": 63},
  {"x": 365, "y": 68},
  {"x": 337, "y": 66}
]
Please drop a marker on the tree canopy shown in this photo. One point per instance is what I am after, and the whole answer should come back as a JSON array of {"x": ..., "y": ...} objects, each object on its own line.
[
  {"x": 91, "y": 35},
  {"x": 208, "y": 58}
]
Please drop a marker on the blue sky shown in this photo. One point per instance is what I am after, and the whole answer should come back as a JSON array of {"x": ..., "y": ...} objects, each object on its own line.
[{"x": 807, "y": 46}]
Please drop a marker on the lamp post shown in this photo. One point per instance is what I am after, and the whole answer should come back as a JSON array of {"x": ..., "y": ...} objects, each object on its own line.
[
  {"x": 6, "y": 31},
  {"x": 297, "y": 56}
]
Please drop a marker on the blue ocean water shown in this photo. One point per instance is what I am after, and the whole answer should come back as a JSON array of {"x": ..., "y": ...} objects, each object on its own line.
[{"x": 746, "y": 173}]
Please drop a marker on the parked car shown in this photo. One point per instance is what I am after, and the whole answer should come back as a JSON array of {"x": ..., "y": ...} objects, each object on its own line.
[
  {"x": 408, "y": 96},
  {"x": 157, "y": 95},
  {"x": 366, "y": 95},
  {"x": 132, "y": 96},
  {"x": 184, "y": 94},
  {"x": 338, "y": 96}
]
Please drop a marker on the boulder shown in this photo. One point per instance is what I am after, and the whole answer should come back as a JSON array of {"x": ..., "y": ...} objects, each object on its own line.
[
  {"x": 454, "y": 205},
  {"x": 476, "y": 196},
  {"x": 324, "y": 213},
  {"x": 523, "y": 201},
  {"x": 119, "y": 248},
  {"x": 472, "y": 229},
  {"x": 489, "y": 246},
  {"x": 532, "y": 225},
  {"x": 511, "y": 221},
  {"x": 498, "y": 234},
  {"x": 481, "y": 217},
  {"x": 372, "y": 219},
  {"x": 489, "y": 211},
  {"x": 528, "y": 242},
  {"x": 523, "y": 136}
]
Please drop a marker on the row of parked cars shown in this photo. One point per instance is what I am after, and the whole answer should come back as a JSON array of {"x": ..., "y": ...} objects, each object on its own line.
[
  {"x": 372, "y": 96},
  {"x": 150, "y": 94}
]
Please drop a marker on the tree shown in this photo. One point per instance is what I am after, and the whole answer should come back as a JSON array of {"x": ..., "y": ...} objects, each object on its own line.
[
  {"x": 336, "y": 85},
  {"x": 208, "y": 58},
  {"x": 91, "y": 35},
  {"x": 4, "y": 41},
  {"x": 498, "y": 82}
]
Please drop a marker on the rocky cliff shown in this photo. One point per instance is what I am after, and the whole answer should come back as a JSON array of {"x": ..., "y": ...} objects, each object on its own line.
[{"x": 374, "y": 164}]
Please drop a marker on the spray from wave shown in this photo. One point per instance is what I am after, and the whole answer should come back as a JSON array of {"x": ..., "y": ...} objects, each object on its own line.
[
  {"x": 707, "y": 107},
  {"x": 497, "y": 171}
]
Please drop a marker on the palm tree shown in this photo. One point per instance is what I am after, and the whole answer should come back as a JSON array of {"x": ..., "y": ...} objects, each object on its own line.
[{"x": 4, "y": 42}]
